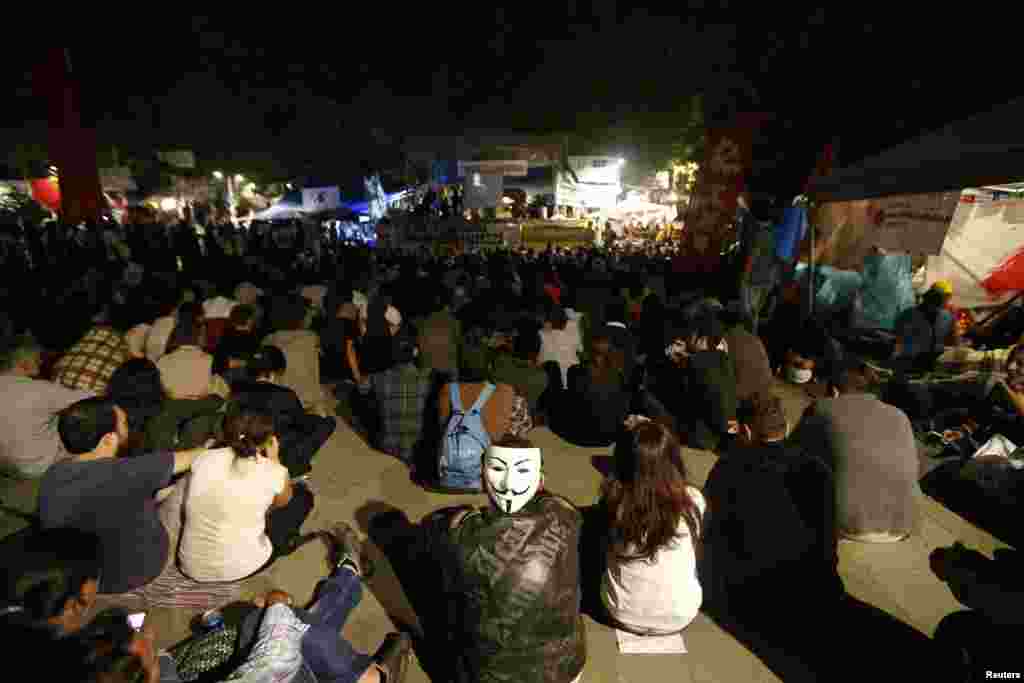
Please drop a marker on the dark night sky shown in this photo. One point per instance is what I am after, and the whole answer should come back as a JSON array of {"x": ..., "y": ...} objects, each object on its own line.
[{"x": 870, "y": 80}]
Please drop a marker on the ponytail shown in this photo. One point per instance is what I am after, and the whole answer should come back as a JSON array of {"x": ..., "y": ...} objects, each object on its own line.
[{"x": 247, "y": 433}]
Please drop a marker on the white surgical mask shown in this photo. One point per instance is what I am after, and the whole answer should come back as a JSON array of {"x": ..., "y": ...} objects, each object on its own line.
[
  {"x": 512, "y": 476},
  {"x": 798, "y": 375}
]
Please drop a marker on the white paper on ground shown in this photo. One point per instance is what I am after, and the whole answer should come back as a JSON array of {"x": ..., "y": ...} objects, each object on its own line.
[{"x": 630, "y": 644}]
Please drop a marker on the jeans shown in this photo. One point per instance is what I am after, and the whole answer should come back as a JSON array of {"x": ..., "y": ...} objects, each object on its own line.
[
  {"x": 328, "y": 655},
  {"x": 325, "y": 654}
]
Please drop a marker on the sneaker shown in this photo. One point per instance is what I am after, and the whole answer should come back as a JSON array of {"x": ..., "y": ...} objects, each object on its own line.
[
  {"x": 392, "y": 657},
  {"x": 348, "y": 549}
]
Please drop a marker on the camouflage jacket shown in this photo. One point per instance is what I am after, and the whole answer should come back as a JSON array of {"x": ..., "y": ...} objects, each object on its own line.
[{"x": 517, "y": 579}]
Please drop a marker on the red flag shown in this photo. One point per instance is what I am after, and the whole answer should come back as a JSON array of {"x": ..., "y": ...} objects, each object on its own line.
[
  {"x": 720, "y": 181},
  {"x": 72, "y": 146}
]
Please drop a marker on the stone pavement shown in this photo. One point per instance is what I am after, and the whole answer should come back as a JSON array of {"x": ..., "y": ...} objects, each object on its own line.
[{"x": 350, "y": 480}]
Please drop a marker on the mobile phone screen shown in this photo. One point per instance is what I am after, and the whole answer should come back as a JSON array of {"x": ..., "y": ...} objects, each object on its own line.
[{"x": 137, "y": 620}]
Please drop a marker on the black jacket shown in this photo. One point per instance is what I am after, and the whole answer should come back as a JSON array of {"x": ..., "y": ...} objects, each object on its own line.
[
  {"x": 280, "y": 402},
  {"x": 769, "y": 536}
]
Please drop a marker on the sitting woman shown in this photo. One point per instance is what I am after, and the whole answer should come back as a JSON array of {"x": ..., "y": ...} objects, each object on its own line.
[
  {"x": 228, "y": 534},
  {"x": 186, "y": 370},
  {"x": 301, "y": 434},
  {"x": 597, "y": 398},
  {"x": 156, "y": 421},
  {"x": 650, "y": 585},
  {"x": 302, "y": 348}
]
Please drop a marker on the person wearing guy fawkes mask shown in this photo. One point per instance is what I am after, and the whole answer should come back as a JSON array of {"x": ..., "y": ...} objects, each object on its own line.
[{"x": 516, "y": 576}]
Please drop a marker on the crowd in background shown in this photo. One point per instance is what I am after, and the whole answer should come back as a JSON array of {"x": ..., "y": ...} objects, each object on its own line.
[{"x": 192, "y": 370}]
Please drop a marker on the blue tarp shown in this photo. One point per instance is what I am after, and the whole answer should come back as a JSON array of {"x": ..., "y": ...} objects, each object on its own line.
[
  {"x": 876, "y": 297},
  {"x": 887, "y": 291},
  {"x": 834, "y": 289}
]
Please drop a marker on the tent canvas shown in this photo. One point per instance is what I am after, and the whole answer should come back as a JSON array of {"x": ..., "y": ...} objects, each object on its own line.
[
  {"x": 986, "y": 149},
  {"x": 983, "y": 255}
]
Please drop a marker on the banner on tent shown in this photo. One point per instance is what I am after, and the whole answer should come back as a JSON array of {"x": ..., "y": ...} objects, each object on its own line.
[
  {"x": 915, "y": 224},
  {"x": 983, "y": 255},
  {"x": 321, "y": 198}
]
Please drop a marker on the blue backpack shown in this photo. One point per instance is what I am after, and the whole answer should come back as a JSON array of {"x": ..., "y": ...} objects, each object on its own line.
[{"x": 465, "y": 441}]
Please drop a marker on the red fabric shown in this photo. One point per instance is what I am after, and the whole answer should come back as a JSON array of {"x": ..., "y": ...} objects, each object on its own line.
[
  {"x": 720, "y": 181},
  {"x": 72, "y": 146},
  {"x": 1008, "y": 276},
  {"x": 554, "y": 293},
  {"x": 46, "y": 191}
]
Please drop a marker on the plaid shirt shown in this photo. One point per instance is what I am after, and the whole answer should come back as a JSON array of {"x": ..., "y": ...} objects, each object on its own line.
[
  {"x": 90, "y": 363},
  {"x": 402, "y": 394}
]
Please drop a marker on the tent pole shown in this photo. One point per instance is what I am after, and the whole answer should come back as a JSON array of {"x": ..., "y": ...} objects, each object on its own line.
[{"x": 810, "y": 281}]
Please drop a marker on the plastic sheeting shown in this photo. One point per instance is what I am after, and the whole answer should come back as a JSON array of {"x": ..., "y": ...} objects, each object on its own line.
[
  {"x": 886, "y": 292},
  {"x": 876, "y": 297},
  {"x": 834, "y": 289},
  {"x": 983, "y": 255}
]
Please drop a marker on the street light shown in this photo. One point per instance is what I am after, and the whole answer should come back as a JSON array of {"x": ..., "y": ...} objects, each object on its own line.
[{"x": 218, "y": 175}]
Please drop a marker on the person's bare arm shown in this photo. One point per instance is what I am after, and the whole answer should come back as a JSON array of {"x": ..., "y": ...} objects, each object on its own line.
[
  {"x": 353, "y": 361},
  {"x": 283, "y": 498},
  {"x": 183, "y": 459}
]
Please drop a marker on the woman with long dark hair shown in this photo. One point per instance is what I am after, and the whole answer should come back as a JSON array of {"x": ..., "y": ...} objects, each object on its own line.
[{"x": 655, "y": 516}]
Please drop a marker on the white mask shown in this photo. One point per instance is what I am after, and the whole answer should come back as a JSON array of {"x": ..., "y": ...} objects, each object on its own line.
[
  {"x": 798, "y": 375},
  {"x": 512, "y": 476}
]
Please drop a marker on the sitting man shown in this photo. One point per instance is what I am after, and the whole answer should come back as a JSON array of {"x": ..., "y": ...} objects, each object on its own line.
[
  {"x": 923, "y": 332},
  {"x": 709, "y": 416},
  {"x": 239, "y": 340},
  {"x": 516, "y": 575},
  {"x": 986, "y": 635},
  {"x": 112, "y": 497},
  {"x": 90, "y": 363},
  {"x": 54, "y": 578},
  {"x": 521, "y": 368},
  {"x": 749, "y": 356},
  {"x": 474, "y": 416},
  {"x": 401, "y": 394},
  {"x": 301, "y": 434},
  {"x": 50, "y": 578},
  {"x": 28, "y": 442},
  {"x": 870, "y": 447},
  {"x": 769, "y": 567}
]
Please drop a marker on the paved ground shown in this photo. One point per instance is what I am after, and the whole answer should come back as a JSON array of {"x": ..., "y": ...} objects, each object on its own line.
[{"x": 351, "y": 481}]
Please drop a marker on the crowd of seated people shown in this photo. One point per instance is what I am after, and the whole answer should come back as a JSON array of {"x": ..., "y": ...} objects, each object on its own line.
[{"x": 181, "y": 395}]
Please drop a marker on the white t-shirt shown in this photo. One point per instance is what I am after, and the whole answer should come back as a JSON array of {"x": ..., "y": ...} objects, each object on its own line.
[
  {"x": 159, "y": 335},
  {"x": 562, "y": 346},
  {"x": 218, "y": 307},
  {"x": 224, "y": 538},
  {"x": 663, "y": 595}
]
